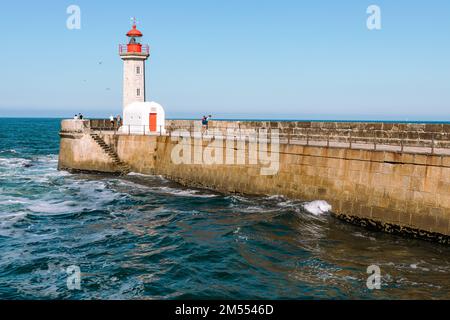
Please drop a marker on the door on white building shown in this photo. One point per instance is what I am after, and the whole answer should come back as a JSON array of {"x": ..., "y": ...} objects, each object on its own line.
[{"x": 153, "y": 122}]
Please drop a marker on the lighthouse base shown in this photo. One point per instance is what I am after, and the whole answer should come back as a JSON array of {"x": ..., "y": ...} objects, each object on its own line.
[{"x": 143, "y": 118}]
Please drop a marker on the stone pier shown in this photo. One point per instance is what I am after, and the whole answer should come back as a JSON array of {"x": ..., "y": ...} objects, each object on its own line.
[{"x": 389, "y": 176}]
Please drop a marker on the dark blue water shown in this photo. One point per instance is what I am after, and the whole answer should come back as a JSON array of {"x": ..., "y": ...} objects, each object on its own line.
[{"x": 142, "y": 237}]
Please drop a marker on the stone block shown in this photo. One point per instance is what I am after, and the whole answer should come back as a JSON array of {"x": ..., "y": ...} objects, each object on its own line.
[
  {"x": 443, "y": 200},
  {"x": 419, "y": 171},
  {"x": 417, "y": 184},
  {"x": 378, "y": 213},
  {"x": 424, "y": 220},
  {"x": 433, "y": 127},
  {"x": 420, "y": 159},
  {"x": 442, "y": 223},
  {"x": 443, "y": 187},
  {"x": 407, "y": 158},
  {"x": 445, "y": 174},
  {"x": 405, "y": 218}
]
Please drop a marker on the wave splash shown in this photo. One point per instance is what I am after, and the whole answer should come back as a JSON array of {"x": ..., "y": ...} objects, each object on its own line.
[{"x": 318, "y": 207}]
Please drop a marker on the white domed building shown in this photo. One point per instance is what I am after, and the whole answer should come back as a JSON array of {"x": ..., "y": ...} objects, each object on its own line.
[{"x": 143, "y": 118}]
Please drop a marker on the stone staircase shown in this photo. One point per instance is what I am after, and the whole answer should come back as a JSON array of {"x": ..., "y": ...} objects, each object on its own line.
[{"x": 124, "y": 169}]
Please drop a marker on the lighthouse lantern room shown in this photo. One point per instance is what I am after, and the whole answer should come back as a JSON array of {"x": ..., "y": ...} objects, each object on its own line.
[{"x": 138, "y": 115}]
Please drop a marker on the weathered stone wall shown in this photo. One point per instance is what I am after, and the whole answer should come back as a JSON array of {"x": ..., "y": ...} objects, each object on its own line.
[
  {"x": 403, "y": 192},
  {"x": 409, "y": 134},
  {"x": 75, "y": 126},
  {"x": 79, "y": 152},
  {"x": 137, "y": 151}
]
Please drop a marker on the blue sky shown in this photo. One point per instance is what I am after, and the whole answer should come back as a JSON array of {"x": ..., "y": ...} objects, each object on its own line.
[{"x": 242, "y": 59}]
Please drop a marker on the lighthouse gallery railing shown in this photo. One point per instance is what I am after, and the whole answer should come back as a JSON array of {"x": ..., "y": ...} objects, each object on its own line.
[{"x": 123, "y": 48}]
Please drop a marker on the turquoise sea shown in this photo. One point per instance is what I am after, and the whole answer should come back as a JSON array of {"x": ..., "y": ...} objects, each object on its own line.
[{"x": 143, "y": 237}]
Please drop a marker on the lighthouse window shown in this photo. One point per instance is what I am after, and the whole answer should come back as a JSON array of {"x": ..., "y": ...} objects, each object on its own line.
[
  {"x": 138, "y": 92},
  {"x": 138, "y": 70}
]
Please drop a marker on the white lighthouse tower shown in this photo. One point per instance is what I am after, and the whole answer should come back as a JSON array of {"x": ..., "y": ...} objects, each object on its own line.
[{"x": 139, "y": 116}]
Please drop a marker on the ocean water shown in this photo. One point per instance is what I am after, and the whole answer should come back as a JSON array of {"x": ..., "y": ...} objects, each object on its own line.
[{"x": 143, "y": 237}]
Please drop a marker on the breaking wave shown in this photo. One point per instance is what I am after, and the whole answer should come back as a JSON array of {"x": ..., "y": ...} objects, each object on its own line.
[{"x": 318, "y": 207}]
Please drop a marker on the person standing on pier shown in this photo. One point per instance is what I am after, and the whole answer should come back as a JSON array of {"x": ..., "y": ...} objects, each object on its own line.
[{"x": 205, "y": 122}]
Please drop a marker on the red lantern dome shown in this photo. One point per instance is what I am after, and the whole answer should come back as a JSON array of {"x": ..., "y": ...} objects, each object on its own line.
[
  {"x": 134, "y": 32},
  {"x": 134, "y": 43}
]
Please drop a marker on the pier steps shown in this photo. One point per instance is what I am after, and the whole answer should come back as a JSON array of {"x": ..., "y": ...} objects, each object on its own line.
[{"x": 123, "y": 167}]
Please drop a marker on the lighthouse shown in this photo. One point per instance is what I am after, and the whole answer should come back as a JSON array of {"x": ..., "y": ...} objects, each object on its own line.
[
  {"x": 139, "y": 116},
  {"x": 134, "y": 55}
]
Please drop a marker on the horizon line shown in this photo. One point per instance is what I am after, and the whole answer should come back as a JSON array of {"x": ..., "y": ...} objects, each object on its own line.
[{"x": 258, "y": 120}]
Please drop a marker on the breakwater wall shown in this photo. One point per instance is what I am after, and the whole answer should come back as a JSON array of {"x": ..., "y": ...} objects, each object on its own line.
[{"x": 394, "y": 177}]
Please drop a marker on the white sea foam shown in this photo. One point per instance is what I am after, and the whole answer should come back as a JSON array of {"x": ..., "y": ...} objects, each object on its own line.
[
  {"x": 162, "y": 178},
  {"x": 135, "y": 174},
  {"x": 184, "y": 193},
  {"x": 14, "y": 162},
  {"x": 318, "y": 207},
  {"x": 276, "y": 197},
  {"x": 52, "y": 207},
  {"x": 12, "y": 216},
  {"x": 417, "y": 266},
  {"x": 360, "y": 235},
  {"x": 252, "y": 209},
  {"x": 89, "y": 195},
  {"x": 237, "y": 199},
  {"x": 13, "y": 151},
  {"x": 12, "y": 201},
  {"x": 8, "y": 220},
  {"x": 169, "y": 190},
  {"x": 288, "y": 203},
  {"x": 158, "y": 178},
  {"x": 282, "y": 201}
]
